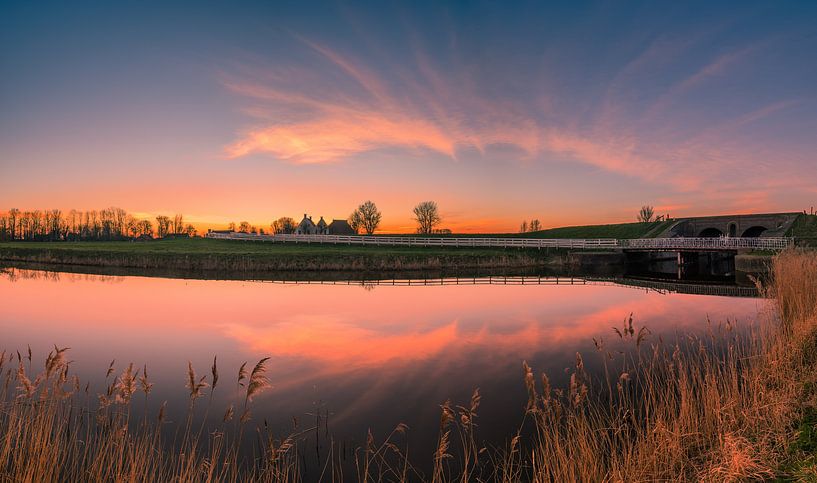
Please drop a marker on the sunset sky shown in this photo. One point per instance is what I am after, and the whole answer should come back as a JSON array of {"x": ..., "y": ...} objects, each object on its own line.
[{"x": 571, "y": 112}]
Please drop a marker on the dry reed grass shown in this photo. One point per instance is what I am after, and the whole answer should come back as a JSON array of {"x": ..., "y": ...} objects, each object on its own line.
[{"x": 714, "y": 407}]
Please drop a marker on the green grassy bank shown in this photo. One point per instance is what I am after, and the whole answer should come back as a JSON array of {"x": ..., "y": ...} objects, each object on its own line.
[
  {"x": 243, "y": 256},
  {"x": 199, "y": 254},
  {"x": 616, "y": 230},
  {"x": 804, "y": 230}
]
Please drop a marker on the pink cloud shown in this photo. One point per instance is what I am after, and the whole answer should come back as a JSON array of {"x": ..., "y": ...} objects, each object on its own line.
[{"x": 326, "y": 115}]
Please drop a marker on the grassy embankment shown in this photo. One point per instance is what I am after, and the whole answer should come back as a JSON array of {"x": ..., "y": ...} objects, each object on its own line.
[
  {"x": 733, "y": 403},
  {"x": 804, "y": 230},
  {"x": 241, "y": 256},
  {"x": 616, "y": 230}
]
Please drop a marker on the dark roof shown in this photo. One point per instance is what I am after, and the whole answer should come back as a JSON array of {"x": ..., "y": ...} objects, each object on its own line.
[
  {"x": 306, "y": 222},
  {"x": 340, "y": 227}
]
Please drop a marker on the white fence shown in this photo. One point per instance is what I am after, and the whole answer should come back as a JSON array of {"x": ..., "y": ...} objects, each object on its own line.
[{"x": 727, "y": 243}]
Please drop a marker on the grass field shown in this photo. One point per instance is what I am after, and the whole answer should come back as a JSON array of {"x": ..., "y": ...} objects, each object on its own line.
[
  {"x": 207, "y": 254},
  {"x": 616, "y": 230},
  {"x": 619, "y": 230},
  {"x": 248, "y": 256}
]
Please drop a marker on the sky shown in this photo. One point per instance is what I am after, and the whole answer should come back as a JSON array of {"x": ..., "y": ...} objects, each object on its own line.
[{"x": 569, "y": 112}]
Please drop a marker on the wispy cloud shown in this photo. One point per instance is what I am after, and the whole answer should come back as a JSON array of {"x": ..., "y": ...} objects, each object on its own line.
[
  {"x": 341, "y": 123},
  {"x": 341, "y": 107}
]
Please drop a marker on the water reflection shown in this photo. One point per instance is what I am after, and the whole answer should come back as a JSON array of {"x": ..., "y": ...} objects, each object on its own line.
[{"x": 372, "y": 358}]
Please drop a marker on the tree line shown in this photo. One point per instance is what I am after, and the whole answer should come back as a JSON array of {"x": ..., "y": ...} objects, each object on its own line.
[
  {"x": 365, "y": 218},
  {"x": 117, "y": 224},
  {"x": 93, "y": 225}
]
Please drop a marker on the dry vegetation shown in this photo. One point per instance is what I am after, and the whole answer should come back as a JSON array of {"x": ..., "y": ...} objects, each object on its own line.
[{"x": 720, "y": 406}]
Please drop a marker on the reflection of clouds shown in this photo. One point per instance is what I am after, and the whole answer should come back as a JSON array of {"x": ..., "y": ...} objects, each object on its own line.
[
  {"x": 341, "y": 344},
  {"x": 336, "y": 333}
]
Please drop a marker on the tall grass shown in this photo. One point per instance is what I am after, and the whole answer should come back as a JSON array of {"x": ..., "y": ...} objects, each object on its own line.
[{"x": 720, "y": 405}]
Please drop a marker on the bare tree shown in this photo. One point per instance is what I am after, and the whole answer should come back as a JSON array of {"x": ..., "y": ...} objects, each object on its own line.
[
  {"x": 231, "y": 226},
  {"x": 646, "y": 214},
  {"x": 284, "y": 225},
  {"x": 14, "y": 215},
  {"x": 244, "y": 227},
  {"x": 162, "y": 226},
  {"x": 368, "y": 217},
  {"x": 534, "y": 225},
  {"x": 144, "y": 227},
  {"x": 178, "y": 224},
  {"x": 355, "y": 221},
  {"x": 427, "y": 216}
]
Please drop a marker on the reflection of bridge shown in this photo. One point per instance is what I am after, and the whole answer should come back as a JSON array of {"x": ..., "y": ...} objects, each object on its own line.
[
  {"x": 640, "y": 244},
  {"x": 654, "y": 285}
]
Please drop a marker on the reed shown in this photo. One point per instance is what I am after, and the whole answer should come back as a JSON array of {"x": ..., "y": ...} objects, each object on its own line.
[{"x": 723, "y": 405}]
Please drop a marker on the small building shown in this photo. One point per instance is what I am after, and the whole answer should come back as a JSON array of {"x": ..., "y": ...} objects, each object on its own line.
[
  {"x": 309, "y": 227},
  {"x": 340, "y": 227}
]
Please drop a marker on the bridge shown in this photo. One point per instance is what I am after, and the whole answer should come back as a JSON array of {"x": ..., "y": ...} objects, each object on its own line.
[
  {"x": 700, "y": 244},
  {"x": 743, "y": 226}
]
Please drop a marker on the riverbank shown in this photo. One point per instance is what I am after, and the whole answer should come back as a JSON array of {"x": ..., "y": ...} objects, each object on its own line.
[{"x": 207, "y": 255}]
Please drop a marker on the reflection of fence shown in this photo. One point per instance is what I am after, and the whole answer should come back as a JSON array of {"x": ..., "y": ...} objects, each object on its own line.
[
  {"x": 655, "y": 285},
  {"x": 726, "y": 243},
  {"x": 690, "y": 288}
]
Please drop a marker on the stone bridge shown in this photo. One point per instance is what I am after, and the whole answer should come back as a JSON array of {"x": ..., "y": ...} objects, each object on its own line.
[{"x": 748, "y": 226}]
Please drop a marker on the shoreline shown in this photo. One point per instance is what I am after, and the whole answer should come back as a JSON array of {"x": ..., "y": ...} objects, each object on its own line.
[{"x": 202, "y": 256}]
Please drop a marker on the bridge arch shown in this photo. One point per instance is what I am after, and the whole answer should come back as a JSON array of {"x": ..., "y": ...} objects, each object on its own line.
[
  {"x": 710, "y": 232},
  {"x": 753, "y": 231}
]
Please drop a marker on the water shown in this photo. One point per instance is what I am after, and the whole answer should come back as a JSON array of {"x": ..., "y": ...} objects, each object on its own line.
[{"x": 369, "y": 356}]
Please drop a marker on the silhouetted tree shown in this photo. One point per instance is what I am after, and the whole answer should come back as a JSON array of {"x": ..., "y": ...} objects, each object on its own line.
[
  {"x": 244, "y": 227},
  {"x": 284, "y": 226},
  {"x": 427, "y": 216},
  {"x": 523, "y": 228},
  {"x": 646, "y": 213},
  {"x": 355, "y": 221},
  {"x": 162, "y": 226},
  {"x": 368, "y": 217},
  {"x": 535, "y": 225},
  {"x": 14, "y": 215},
  {"x": 144, "y": 227}
]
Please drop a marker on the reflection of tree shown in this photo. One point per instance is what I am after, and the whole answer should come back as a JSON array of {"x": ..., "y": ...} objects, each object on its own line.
[
  {"x": 368, "y": 286},
  {"x": 15, "y": 274}
]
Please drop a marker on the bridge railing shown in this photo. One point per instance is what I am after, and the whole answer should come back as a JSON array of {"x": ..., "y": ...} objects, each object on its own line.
[
  {"x": 722, "y": 243},
  {"x": 727, "y": 243}
]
